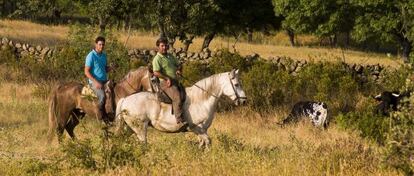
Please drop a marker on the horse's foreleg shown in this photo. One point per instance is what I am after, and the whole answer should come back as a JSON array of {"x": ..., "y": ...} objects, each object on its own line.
[
  {"x": 138, "y": 126},
  {"x": 204, "y": 139},
  {"x": 144, "y": 130},
  {"x": 120, "y": 125}
]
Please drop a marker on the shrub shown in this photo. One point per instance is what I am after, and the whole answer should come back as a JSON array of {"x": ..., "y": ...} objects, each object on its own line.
[
  {"x": 366, "y": 122},
  {"x": 399, "y": 151},
  {"x": 266, "y": 86},
  {"x": 394, "y": 79},
  {"x": 105, "y": 153},
  {"x": 228, "y": 61},
  {"x": 121, "y": 151},
  {"x": 7, "y": 56},
  {"x": 194, "y": 71},
  {"x": 69, "y": 63},
  {"x": 327, "y": 82},
  {"x": 79, "y": 154}
]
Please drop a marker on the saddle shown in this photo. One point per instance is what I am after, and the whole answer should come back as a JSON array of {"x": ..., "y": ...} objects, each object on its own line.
[
  {"x": 156, "y": 88},
  {"x": 155, "y": 84},
  {"x": 87, "y": 92}
]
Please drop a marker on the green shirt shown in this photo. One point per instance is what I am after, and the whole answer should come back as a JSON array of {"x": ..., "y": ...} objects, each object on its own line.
[{"x": 166, "y": 64}]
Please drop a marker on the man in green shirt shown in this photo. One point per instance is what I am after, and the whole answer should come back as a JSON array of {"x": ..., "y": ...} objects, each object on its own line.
[{"x": 167, "y": 68}]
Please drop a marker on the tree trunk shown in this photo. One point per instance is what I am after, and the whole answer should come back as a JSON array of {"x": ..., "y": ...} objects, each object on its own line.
[
  {"x": 160, "y": 22},
  {"x": 187, "y": 42},
  {"x": 127, "y": 24},
  {"x": 291, "y": 36},
  {"x": 102, "y": 25},
  {"x": 406, "y": 46},
  {"x": 171, "y": 42},
  {"x": 207, "y": 40},
  {"x": 249, "y": 35},
  {"x": 8, "y": 8},
  {"x": 333, "y": 40},
  {"x": 347, "y": 39}
]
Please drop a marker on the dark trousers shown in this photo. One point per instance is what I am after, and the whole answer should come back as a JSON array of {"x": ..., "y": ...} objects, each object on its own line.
[{"x": 177, "y": 94}]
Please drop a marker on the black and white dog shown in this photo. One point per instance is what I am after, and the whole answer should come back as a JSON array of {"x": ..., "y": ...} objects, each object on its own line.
[{"x": 316, "y": 112}]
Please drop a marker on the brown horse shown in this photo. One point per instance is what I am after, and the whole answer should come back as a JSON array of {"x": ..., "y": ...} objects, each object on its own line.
[
  {"x": 67, "y": 107},
  {"x": 135, "y": 81}
]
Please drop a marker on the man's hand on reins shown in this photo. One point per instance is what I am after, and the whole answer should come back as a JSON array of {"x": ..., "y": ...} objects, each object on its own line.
[
  {"x": 178, "y": 73},
  {"x": 168, "y": 82}
]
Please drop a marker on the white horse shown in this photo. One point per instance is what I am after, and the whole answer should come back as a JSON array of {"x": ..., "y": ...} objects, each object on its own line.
[{"x": 140, "y": 109}]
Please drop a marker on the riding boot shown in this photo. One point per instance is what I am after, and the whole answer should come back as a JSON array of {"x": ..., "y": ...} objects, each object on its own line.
[
  {"x": 179, "y": 113},
  {"x": 105, "y": 117}
]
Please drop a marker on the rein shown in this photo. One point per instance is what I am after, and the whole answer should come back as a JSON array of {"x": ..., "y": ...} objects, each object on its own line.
[
  {"x": 215, "y": 96},
  {"x": 129, "y": 84}
]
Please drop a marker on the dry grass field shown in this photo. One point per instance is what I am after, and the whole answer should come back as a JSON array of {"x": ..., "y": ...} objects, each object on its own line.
[
  {"x": 243, "y": 141},
  {"x": 32, "y": 33},
  {"x": 243, "y": 144},
  {"x": 276, "y": 45}
]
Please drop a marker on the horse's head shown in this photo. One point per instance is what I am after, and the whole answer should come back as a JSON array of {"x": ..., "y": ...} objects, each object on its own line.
[
  {"x": 234, "y": 89},
  {"x": 110, "y": 99}
]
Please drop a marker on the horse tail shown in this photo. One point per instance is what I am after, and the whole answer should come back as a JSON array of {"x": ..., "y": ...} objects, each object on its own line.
[
  {"x": 119, "y": 121},
  {"x": 52, "y": 115}
]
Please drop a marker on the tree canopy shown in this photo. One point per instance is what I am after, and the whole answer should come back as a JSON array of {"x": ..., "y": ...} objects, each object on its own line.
[{"x": 358, "y": 20}]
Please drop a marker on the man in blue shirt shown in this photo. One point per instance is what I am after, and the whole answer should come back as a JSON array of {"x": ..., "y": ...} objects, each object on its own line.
[{"x": 96, "y": 71}]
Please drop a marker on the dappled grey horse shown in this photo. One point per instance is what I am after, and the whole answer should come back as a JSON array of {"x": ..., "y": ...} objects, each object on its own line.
[{"x": 141, "y": 109}]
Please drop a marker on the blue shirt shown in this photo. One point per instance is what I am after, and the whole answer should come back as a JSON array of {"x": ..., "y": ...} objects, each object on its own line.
[{"x": 97, "y": 63}]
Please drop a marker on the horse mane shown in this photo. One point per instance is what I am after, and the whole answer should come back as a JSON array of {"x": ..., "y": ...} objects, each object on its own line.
[
  {"x": 133, "y": 73},
  {"x": 204, "y": 88}
]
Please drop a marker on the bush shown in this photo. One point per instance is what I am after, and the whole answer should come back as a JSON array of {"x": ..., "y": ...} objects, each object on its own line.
[
  {"x": 121, "y": 151},
  {"x": 193, "y": 72},
  {"x": 399, "y": 151},
  {"x": 366, "y": 122},
  {"x": 69, "y": 63},
  {"x": 79, "y": 154},
  {"x": 228, "y": 61},
  {"x": 105, "y": 153},
  {"x": 395, "y": 79},
  {"x": 7, "y": 56},
  {"x": 328, "y": 82},
  {"x": 266, "y": 86}
]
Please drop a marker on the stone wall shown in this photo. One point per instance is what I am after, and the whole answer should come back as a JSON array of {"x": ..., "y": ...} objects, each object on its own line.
[
  {"x": 24, "y": 49},
  {"x": 291, "y": 65}
]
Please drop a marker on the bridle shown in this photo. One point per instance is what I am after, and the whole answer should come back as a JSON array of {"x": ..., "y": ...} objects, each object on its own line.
[{"x": 238, "y": 97}]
